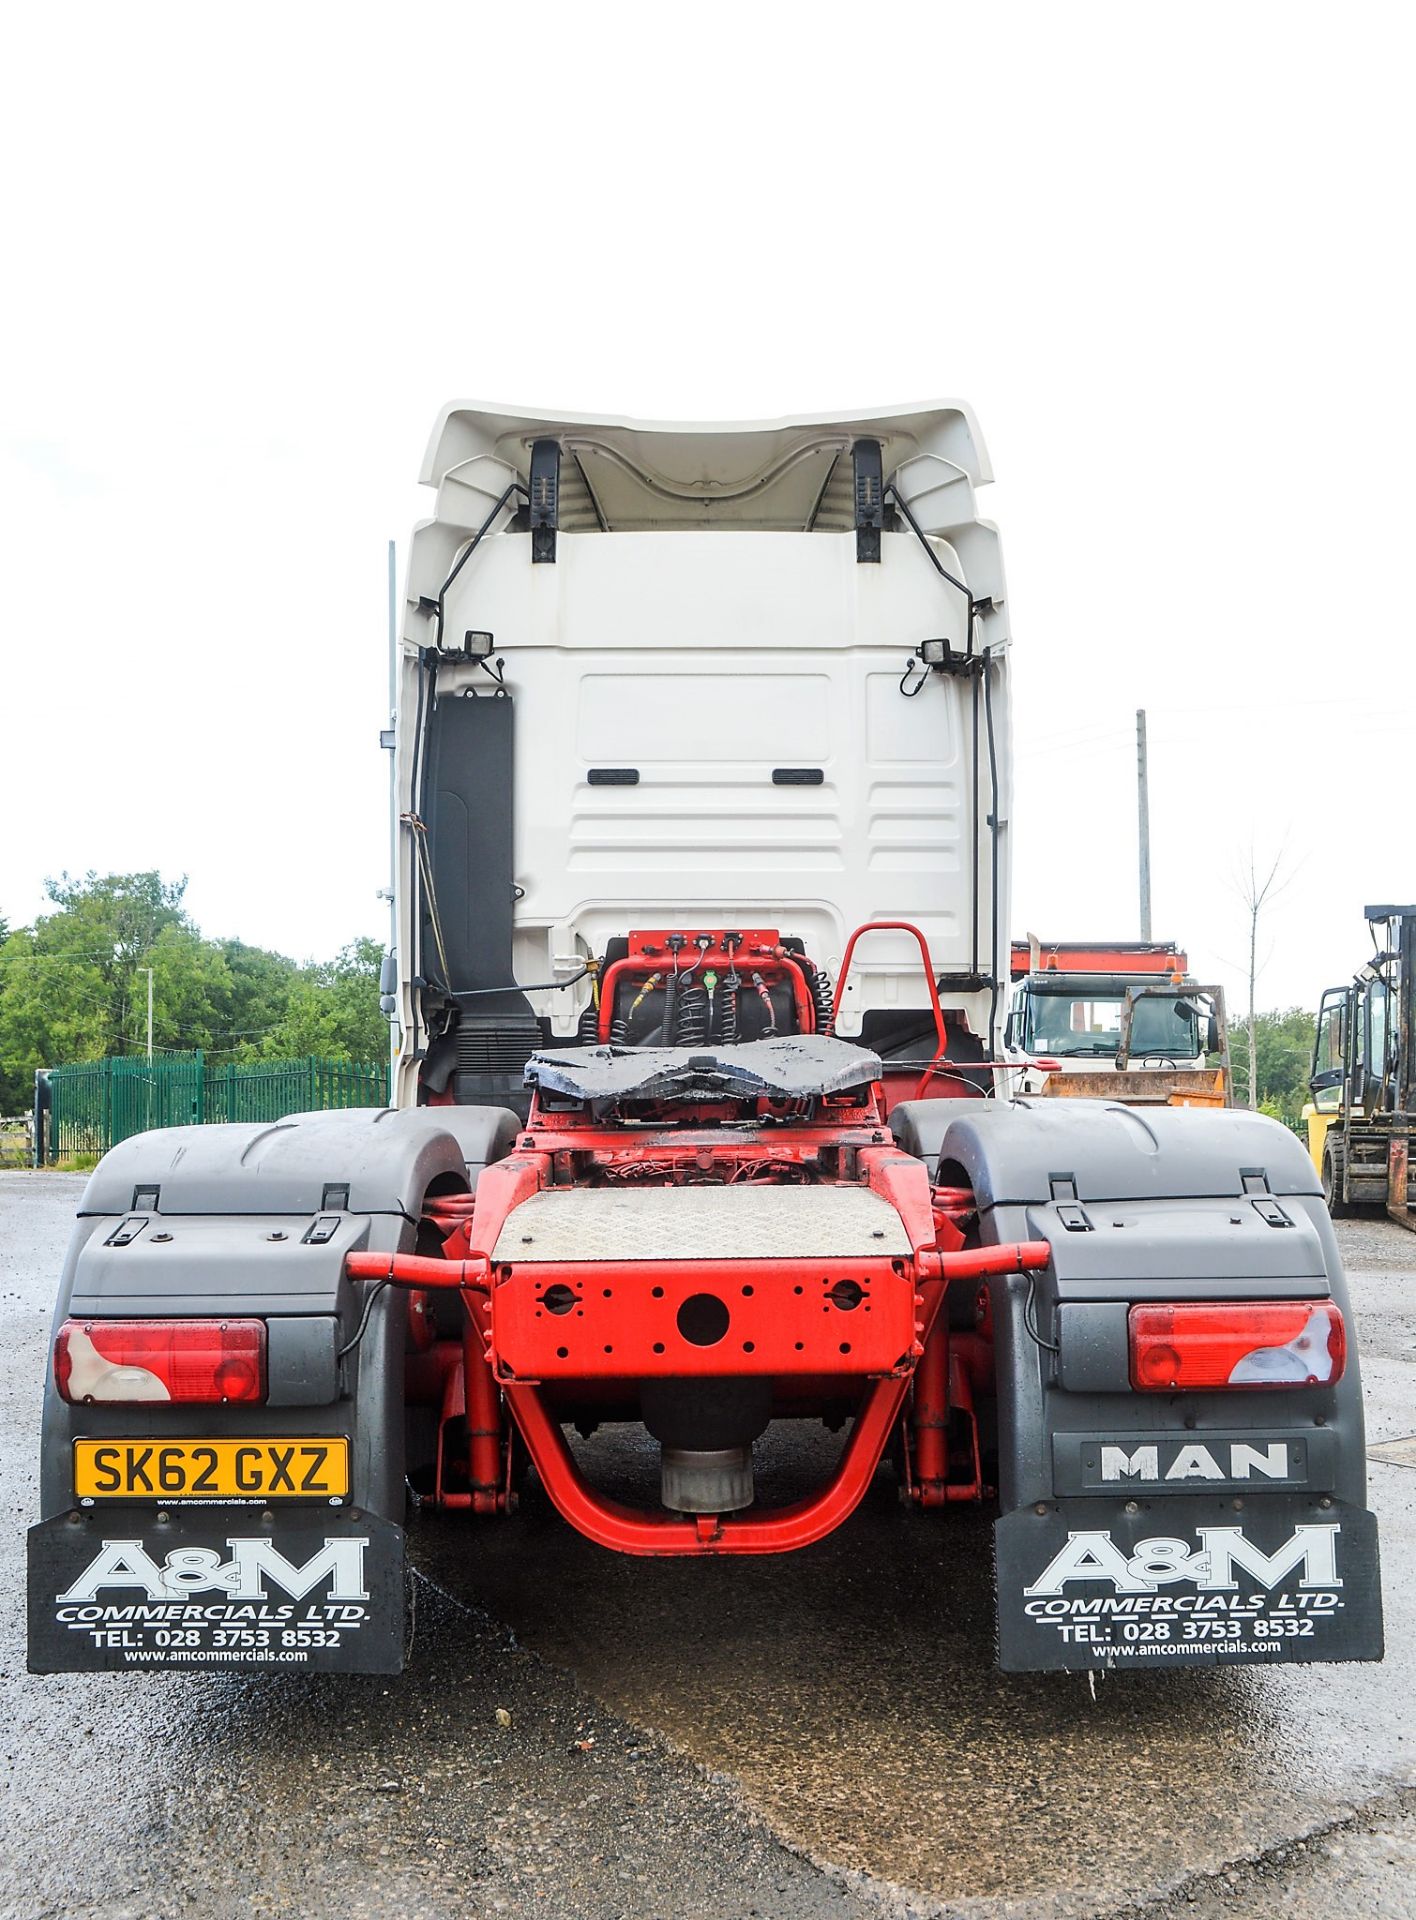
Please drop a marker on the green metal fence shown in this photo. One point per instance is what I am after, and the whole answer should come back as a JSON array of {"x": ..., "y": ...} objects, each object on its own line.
[
  {"x": 267, "y": 1089},
  {"x": 95, "y": 1105}
]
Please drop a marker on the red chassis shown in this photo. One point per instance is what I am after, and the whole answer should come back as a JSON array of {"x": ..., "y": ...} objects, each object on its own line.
[{"x": 561, "y": 1339}]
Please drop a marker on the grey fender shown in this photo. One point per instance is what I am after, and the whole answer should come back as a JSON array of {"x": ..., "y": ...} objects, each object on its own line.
[
  {"x": 919, "y": 1127},
  {"x": 484, "y": 1134},
  {"x": 385, "y": 1157},
  {"x": 1153, "y": 1204},
  {"x": 257, "y": 1220}
]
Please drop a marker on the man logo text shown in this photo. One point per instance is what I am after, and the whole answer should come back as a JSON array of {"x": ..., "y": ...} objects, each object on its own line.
[{"x": 1196, "y": 1462}]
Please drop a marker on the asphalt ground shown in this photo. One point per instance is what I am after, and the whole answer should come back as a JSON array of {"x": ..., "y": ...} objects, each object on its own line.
[{"x": 818, "y": 1734}]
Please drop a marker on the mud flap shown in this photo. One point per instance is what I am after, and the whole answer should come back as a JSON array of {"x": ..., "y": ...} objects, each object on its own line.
[
  {"x": 1186, "y": 1582},
  {"x": 198, "y": 1588}
]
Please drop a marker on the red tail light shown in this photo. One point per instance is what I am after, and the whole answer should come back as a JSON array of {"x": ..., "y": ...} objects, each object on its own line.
[
  {"x": 1263, "y": 1343},
  {"x": 148, "y": 1362}
]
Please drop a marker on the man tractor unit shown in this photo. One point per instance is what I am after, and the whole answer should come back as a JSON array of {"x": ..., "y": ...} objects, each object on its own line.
[{"x": 700, "y": 1123}]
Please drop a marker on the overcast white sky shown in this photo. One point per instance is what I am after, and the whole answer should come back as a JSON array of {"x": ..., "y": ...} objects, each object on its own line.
[{"x": 1165, "y": 251}]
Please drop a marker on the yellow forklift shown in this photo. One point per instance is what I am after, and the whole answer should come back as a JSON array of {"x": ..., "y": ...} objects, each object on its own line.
[{"x": 1363, "y": 1115}]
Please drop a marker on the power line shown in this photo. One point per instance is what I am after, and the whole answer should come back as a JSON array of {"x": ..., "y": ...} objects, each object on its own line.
[{"x": 64, "y": 959}]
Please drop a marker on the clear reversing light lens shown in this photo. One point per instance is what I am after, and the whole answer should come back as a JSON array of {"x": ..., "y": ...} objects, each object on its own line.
[
  {"x": 1261, "y": 1343},
  {"x": 146, "y": 1362}
]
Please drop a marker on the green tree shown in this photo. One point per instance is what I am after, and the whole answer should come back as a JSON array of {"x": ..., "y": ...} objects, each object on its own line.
[
  {"x": 261, "y": 984},
  {"x": 193, "y": 994},
  {"x": 74, "y": 986},
  {"x": 1283, "y": 1051},
  {"x": 67, "y": 984},
  {"x": 333, "y": 1009}
]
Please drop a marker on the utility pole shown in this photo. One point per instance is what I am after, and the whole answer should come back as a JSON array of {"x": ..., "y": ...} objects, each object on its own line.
[
  {"x": 1143, "y": 802},
  {"x": 388, "y": 972},
  {"x": 148, "y": 972},
  {"x": 389, "y": 738}
]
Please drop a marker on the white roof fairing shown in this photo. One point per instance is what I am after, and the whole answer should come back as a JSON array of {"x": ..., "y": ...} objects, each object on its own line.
[{"x": 632, "y": 475}]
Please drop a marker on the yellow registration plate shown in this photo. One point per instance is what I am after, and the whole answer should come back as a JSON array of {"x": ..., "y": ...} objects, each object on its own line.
[{"x": 176, "y": 1470}]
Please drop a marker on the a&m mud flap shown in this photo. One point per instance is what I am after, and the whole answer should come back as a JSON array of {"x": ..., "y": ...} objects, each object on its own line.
[
  {"x": 1143, "y": 1584},
  {"x": 211, "y": 1587}
]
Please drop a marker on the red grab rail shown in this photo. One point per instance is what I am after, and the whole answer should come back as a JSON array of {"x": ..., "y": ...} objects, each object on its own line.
[{"x": 940, "y": 1029}]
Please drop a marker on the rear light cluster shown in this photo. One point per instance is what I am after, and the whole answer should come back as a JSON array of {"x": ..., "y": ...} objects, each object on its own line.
[
  {"x": 1263, "y": 1343},
  {"x": 149, "y": 1362}
]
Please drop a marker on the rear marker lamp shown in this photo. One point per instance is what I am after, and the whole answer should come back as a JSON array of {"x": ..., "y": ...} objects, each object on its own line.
[
  {"x": 1262, "y": 1343},
  {"x": 147, "y": 1362}
]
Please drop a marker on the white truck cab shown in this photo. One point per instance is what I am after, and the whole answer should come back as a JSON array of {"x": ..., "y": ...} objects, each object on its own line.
[{"x": 608, "y": 721}]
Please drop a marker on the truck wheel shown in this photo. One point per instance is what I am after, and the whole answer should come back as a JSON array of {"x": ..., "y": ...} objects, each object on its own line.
[{"x": 1333, "y": 1162}]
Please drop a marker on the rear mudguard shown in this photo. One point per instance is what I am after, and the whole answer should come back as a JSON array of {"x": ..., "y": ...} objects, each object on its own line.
[
  {"x": 248, "y": 1220},
  {"x": 1219, "y": 1527}
]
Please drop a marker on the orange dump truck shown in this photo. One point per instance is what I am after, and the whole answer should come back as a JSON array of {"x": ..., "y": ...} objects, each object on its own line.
[{"x": 1117, "y": 1020}]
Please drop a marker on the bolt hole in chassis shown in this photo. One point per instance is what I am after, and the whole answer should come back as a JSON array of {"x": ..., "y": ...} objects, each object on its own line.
[{"x": 714, "y": 1205}]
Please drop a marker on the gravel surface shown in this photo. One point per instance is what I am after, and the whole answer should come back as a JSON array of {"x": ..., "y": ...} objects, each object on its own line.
[
  {"x": 1359, "y": 1869},
  {"x": 821, "y": 1734},
  {"x": 231, "y": 1794}
]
